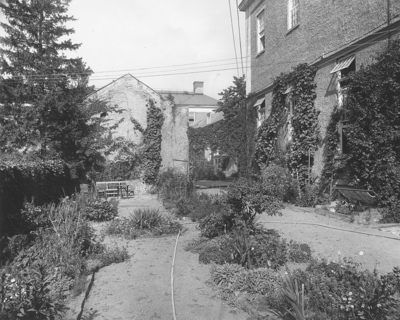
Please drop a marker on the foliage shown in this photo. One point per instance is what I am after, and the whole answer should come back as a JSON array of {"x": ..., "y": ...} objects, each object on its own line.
[
  {"x": 280, "y": 182},
  {"x": 248, "y": 197},
  {"x": 229, "y": 279},
  {"x": 123, "y": 162},
  {"x": 342, "y": 291},
  {"x": 101, "y": 210},
  {"x": 29, "y": 180},
  {"x": 251, "y": 249},
  {"x": 216, "y": 224},
  {"x": 111, "y": 255},
  {"x": 43, "y": 93},
  {"x": 372, "y": 114},
  {"x": 144, "y": 222},
  {"x": 151, "y": 157},
  {"x": 232, "y": 97},
  {"x": 304, "y": 122},
  {"x": 234, "y": 135},
  {"x": 205, "y": 170},
  {"x": 293, "y": 296},
  {"x": 173, "y": 185}
]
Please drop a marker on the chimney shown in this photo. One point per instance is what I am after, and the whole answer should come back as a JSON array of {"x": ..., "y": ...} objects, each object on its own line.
[{"x": 198, "y": 87}]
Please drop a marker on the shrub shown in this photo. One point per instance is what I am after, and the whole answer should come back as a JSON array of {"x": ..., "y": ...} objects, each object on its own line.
[
  {"x": 143, "y": 222},
  {"x": 101, "y": 210},
  {"x": 229, "y": 279},
  {"x": 112, "y": 255},
  {"x": 248, "y": 197},
  {"x": 205, "y": 170},
  {"x": 280, "y": 182},
  {"x": 341, "y": 291},
  {"x": 252, "y": 249},
  {"x": 215, "y": 251},
  {"x": 216, "y": 224},
  {"x": 43, "y": 181},
  {"x": 172, "y": 184},
  {"x": 147, "y": 218}
]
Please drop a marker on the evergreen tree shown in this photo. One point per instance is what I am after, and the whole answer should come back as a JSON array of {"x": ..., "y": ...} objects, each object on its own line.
[{"x": 42, "y": 91}]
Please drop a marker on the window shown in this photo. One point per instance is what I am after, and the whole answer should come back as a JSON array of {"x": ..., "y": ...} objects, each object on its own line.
[
  {"x": 191, "y": 117},
  {"x": 291, "y": 103},
  {"x": 261, "y": 112},
  {"x": 342, "y": 69},
  {"x": 260, "y": 32},
  {"x": 293, "y": 13}
]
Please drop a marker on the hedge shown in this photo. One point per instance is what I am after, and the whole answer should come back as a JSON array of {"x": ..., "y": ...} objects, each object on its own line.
[{"x": 44, "y": 182}]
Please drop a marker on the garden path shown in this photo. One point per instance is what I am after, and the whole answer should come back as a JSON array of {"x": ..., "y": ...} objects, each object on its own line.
[
  {"x": 140, "y": 288},
  {"x": 328, "y": 235}
]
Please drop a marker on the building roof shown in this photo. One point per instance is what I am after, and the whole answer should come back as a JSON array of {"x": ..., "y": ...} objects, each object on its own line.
[
  {"x": 214, "y": 117},
  {"x": 186, "y": 98}
]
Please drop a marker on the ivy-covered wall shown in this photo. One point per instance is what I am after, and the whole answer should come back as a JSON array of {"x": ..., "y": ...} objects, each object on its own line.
[
  {"x": 234, "y": 137},
  {"x": 151, "y": 124},
  {"x": 291, "y": 136}
]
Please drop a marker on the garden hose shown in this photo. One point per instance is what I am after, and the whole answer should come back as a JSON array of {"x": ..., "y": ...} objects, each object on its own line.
[
  {"x": 323, "y": 226},
  {"x": 172, "y": 277},
  {"x": 335, "y": 228}
]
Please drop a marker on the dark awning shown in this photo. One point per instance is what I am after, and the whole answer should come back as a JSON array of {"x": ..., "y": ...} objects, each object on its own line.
[
  {"x": 364, "y": 196},
  {"x": 343, "y": 64}
]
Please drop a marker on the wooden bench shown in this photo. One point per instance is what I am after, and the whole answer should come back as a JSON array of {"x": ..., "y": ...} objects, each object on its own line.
[{"x": 112, "y": 189}]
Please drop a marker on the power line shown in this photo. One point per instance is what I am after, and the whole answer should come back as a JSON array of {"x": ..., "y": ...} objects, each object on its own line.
[
  {"x": 240, "y": 38},
  {"x": 233, "y": 35},
  {"x": 53, "y": 78}
]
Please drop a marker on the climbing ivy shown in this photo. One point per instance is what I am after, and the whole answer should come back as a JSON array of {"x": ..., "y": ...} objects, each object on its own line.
[
  {"x": 151, "y": 157},
  {"x": 304, "y": 122},
  {"x": 233, "y": 136}
]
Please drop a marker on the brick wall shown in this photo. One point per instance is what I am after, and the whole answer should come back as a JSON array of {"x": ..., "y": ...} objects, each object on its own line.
[{"x": 324, "y": 26}]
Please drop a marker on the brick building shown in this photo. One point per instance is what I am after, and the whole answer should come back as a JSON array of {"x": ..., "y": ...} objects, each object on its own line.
[{"x": 335, "y": 36}]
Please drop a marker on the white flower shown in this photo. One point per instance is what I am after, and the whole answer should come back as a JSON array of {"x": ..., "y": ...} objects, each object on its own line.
[
  {"x": 361, "y": 253},
  {"x": 338, "y": 252},
  {"x": 350, "y": 293}
]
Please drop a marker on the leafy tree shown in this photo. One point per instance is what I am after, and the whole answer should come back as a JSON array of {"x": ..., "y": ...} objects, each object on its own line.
[
  {"x": 232, "y": 98},
  {"x": 42, "y": 91}
]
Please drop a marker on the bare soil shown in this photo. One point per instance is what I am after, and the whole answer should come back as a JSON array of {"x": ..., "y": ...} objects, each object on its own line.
[{"x": 141, "y": 287}]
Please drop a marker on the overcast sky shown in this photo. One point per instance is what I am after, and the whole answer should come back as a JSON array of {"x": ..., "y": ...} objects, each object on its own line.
[{"x": 122, "y": 36}]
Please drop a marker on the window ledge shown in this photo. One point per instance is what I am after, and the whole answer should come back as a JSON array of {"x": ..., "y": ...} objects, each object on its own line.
[
  {"x": 260, "y": 53},
  {"x": 293, "y": 28}
]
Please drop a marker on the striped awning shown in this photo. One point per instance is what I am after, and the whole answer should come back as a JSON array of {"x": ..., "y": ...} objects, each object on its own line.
[
  {"x": 259, "y": 102},
  {"x": 343, "y": 64},
  {"x": 288, "y": 90}
]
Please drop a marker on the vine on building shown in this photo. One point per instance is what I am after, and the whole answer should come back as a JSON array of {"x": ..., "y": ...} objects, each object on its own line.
[{"x": 292, "y": 127}]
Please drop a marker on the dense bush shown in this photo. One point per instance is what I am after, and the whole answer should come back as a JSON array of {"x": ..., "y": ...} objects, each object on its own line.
[
  {"x": 231, "y": 279},
  {"x": 205, "y": 170},
  {"x": 199, "y": 206},
  {"x": 35, "y": 282},
  {"x": 248, "y": 197},
  {"x": 173, "y": 185},
  {"x": 337, "y": 291},
  {"x": 101, "y": 210},
  {"x": 280, "y": 182},
  {"x": 43, "y": 182},
  {"x": 256, "y": 249}
]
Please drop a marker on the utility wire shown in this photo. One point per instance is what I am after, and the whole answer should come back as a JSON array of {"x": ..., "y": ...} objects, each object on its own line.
[
  {"x": 233, "y": 35},
  {"x": 240, "y": 38},
  {"x": 56, "y": 77}
]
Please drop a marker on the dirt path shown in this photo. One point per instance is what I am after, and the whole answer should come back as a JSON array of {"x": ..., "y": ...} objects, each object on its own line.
[
  {"x": 140, "y": 288},
  {"x": 380, "y": 249}
]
